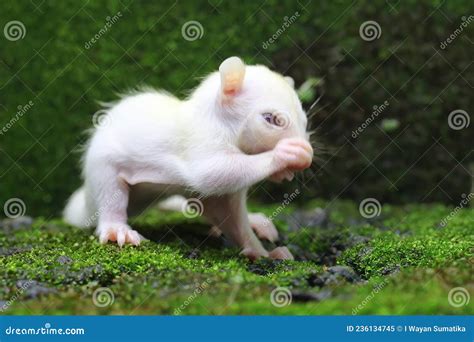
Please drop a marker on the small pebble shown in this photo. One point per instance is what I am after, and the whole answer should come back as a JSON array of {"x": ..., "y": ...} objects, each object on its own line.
[
  {"x": 299, "y": 296},
  {"x": 17, "y": 223},
  {"x": 64, "y": 259},
  {"x": 33, "y": 289},
  {"x": 345, "y": 272},
  {"x": 317, "y": 217}
]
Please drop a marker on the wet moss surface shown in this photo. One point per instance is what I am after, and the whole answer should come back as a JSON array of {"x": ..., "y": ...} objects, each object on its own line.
[{"x": 403, "y": 261}]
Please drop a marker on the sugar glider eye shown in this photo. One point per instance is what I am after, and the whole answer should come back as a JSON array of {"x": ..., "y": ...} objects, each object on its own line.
[
  {"x": 268, "y": 117},
  {"x": 278, "y": 120}
]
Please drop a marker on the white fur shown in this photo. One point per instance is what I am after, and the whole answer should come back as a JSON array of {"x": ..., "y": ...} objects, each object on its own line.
[{"x": 215, "y": 145}]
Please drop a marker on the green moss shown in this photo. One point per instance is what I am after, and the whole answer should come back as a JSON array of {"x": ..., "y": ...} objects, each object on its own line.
[
  {"x": 405, "y": 264},
  {"x": 415, "y": 238}
]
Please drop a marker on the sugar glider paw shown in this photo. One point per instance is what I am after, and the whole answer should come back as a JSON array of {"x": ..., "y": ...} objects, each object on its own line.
[
  {"x": 281, "y": 253},
  {"x": 282, "y": 175},
  {"x": 294, "y": 154},
  {"x": 119, "y": 232},
  {"x": 263, "y": 227},
  {"x": 254, "y": 253}
]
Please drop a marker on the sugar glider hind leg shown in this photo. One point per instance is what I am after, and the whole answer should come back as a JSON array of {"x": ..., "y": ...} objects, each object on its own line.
[{"x": 261, "y": 225}]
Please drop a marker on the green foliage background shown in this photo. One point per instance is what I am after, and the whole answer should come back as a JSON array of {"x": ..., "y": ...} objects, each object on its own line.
[{"x": 420, "y": 160}]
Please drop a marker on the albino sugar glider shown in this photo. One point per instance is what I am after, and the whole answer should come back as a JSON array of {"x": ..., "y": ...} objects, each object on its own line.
[{"x": 241, "y": 125}]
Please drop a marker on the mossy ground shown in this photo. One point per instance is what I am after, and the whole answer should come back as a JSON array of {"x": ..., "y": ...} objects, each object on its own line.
[{"x": 404, "y": 263}]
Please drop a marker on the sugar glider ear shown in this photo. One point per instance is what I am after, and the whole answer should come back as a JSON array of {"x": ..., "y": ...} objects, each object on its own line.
[
  {"x": 232, "y": 72},
  {"x": 290, "y": 81}
]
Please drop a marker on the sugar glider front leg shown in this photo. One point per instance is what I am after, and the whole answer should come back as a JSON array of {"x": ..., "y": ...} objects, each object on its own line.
[
  {"x": 111, "y": 193},
  {"x": 230, "y": 171}
]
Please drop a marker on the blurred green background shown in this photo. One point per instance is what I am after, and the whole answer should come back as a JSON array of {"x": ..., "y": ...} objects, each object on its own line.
[{"x": 408, "y": 153}]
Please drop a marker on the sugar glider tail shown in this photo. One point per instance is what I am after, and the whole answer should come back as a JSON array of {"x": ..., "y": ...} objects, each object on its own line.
[{"x": 76, "y": 211}]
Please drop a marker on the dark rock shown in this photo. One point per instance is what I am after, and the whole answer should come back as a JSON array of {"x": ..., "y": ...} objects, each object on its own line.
[
  {"x": 6, "y": 251},
  {"x": 33, "y": 289},
  {"x": 300, "y": 296},
  {"x": 87, "y": 273},
  {"x": 390, "y": 269},
  {"x": 64, "y": 260},
  {"x": 323, "y": 279},
  {"x": 329, "y": 257},
  {"x": 296, "y": 282},
  {"x": 315, "y": 279},
  {"x": 317, "y": 217},
  {"x": 332, "y": 279},
  {"x": 20, "y": 222},
  {"x": 334, "y": 276},
  {"x": 194, "y": 254},
  {"x": 358, "y": 239},
  {"x": 344, "y": 271}
]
